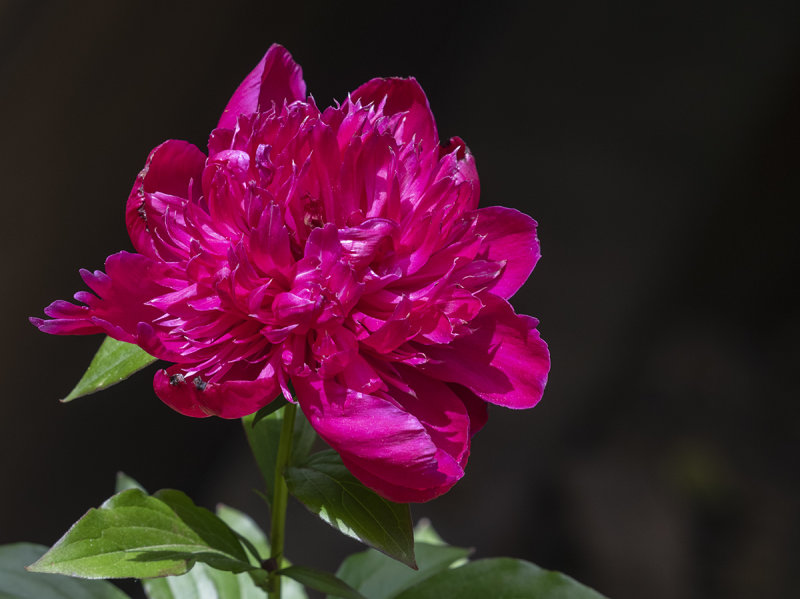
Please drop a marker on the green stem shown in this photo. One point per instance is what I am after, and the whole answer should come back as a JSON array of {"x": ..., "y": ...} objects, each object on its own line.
[{"x": 281, "y": 496}]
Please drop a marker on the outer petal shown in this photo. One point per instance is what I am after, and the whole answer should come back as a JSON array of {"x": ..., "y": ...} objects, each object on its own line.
[
  {"x": 510, "y": 237},
  {"x": 442, "y": 413},
  {"x": 381, "y": 443},
  {"x": 476, "y": 407},
  {"x": 402, "y": 95},
  {"x": 504, "y": 361},
  {"x": 130, "y": 281},
  {"x": 275, "y": 79},
  {"x": 227, "y": 399},
  {"x": 393, "y": 492},
  {"x": 66, "y": 319},
  {"x": 174, "y": 168}
]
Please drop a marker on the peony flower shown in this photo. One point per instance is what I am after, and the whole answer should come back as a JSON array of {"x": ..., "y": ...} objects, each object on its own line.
[{"x": 339, "y": 252}]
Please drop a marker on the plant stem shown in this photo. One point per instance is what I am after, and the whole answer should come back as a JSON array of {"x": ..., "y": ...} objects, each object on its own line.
[{"x": 281, "y": 496}]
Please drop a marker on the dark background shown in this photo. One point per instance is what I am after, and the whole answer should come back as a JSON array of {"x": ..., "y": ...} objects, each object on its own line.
[{"x": 657, "y": 146}]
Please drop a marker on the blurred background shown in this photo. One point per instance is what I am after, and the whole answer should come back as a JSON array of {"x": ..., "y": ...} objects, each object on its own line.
[{"x": 657, "y": 144}]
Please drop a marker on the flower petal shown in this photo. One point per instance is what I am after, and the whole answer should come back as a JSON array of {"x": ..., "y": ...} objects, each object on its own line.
[
  {"x": 441, "y": 412},
  {"x": 130, "y": 281},
  {"x": 476, "y": 407},
  {"x": 396, "y": 492},
  {"x": 173, "y": 168},
  {"x": 459, "y": 159},
  {"x": 504, "y": 361},
  {"x": 277, "y": 77},
  {"x": 402, "y": 95},
  {"x": 191, "y": 395},
  {"x": 510, "y": 237},
  {"x": 381, "y": 442},
  {"x": 66, "y": 319}
]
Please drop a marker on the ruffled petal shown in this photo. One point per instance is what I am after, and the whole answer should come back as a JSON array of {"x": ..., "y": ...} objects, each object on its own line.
[
  {"x": 191, "y": 395},
  {"x": 276, "y": 78},
  {"x": 130, "y": 281},
  {"x": 402, "y": 96},
  {"x": 510, "y": 238},
  {"x": 461, "y": 163},
  {"x": 174, "y": 168},
  {"x": 504, "y": 361},
  {"x": 381, "y": 441}
]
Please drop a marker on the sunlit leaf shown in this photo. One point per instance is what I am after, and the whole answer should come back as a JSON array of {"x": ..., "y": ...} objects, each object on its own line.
[
  {"x": 140, "y": 536},
  {"x": 328, "y": 489},
  {"x": 114, "y": 362},
  {"x": 203, "y": 582},
  {"x": 125, "y": 482}
]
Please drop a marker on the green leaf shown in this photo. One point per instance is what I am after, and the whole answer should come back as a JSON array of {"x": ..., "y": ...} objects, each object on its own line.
[
  {"x": 223, "y": 550},
  {"x": 114, "y": 362},
  {"x": 273, "y": 406},
  {"x": 244, "y": 526},
  {"x": 291, "y": 589},
  {"x": 425, "y": 533},
  {"x": 328, "y": 489},
  {"x": 17, "y": 583},
  {"x": 321, "y": 581},
  {"x": 302, "y": 440},
  {"x": 379, "y": 577},
  {"x": 263, "y": 434},
  {"x": 203, "y": 582},
  {"x": 499, "y": 578},
  {"x": 139, "y": 536},
  {"x": 256, "y": 540},
  {"x": 125, "y": 482}
]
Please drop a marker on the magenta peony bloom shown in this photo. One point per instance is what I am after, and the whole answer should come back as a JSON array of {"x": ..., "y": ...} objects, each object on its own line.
[{"x": 341, "y": 251}]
